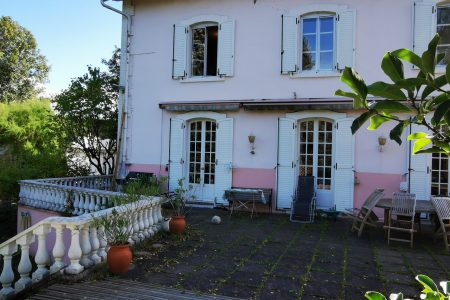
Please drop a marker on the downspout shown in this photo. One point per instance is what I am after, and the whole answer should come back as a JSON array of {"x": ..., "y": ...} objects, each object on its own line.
[{"x": 119, "y": 172}]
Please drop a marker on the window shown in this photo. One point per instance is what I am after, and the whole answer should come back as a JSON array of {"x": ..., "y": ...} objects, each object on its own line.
[
  {"x": 318, "y": 40},
  {"x": 203, "y": 49},
  {"x": 443, "y": 28},
  {"x": 318, "y": 49}
]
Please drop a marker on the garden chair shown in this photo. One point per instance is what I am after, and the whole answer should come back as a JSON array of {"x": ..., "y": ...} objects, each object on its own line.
[
  {"x": 304, "y": 202},
  {"x": 365, "y": 215},
  {"x": 442, "y": 207},
  {"x": 401, "y": 217}
]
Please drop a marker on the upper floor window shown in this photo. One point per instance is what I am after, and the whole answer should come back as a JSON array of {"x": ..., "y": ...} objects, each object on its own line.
[
  {"x": 318, "y": 39},
  {"x": 203, "y": 48},
  {"x": 443, "y": 28}
]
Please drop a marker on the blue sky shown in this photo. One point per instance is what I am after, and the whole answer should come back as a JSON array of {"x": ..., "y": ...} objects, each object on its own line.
[{"x": 70, "y": 33}]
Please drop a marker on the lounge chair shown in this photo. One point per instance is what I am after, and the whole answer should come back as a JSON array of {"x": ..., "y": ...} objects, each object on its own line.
[
  {"x": 401, "y": 217},
  {"x": 442, "y": 207},
  {"x": 364, "y": 215},
  {"x": 304, "y": 202}
]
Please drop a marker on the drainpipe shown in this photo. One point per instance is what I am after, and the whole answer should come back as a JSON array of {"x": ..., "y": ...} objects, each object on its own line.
[{"x": 119, "y": 172}]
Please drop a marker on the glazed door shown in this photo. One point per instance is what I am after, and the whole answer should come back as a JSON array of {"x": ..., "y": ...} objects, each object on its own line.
[{"x": 201, "y": 159}]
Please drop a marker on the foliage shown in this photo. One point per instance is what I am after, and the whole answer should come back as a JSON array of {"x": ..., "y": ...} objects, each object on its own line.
[
  {"x": 88, "y": 113},
  {"x": 414, "y": 97},
  {"x": 22, "y": 67},
  {"x": 33, "y": 144},
  {"x": 430, "y": 291},
  {"x": 179, "y": 198},
  {"x": 145, "y": 186}
]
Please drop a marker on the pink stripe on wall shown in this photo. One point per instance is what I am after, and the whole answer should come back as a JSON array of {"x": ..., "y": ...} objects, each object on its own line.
[
  {"x": 148, "y": 168},
  {"x": 370, "y": 181},
  {"x": 254, "y": 178}
]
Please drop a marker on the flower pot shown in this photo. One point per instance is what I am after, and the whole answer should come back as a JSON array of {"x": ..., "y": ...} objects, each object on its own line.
[
  {"x": 166, "y": 224},
  {"x": 119, "y": 259},
  {"x": 177, "y": 224}
]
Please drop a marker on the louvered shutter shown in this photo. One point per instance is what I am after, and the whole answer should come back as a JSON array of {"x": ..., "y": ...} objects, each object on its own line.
[
  {"x": 344, "y": 149},
  {"x": 424, "y": 25},
  {"x": 289, "y": 47},
  {"x": 286, "y": 162},
  {"x": 225, "y": 66},
  {"x": 345, "y": 38},
  {"x": 179, "y": 51},
  {"x": 420, "y": 170},
  {"x": 176, "y": 149},
  {"x": 224, "y": 158}
]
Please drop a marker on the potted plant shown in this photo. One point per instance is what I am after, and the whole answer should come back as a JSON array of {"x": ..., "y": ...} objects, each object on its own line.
[{"x": 178, "y": 200}]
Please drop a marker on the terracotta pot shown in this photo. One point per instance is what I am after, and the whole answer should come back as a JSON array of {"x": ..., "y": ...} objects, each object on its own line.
[
  {"x": 177, "y": 224},
  {"x": 119, "y": 259}
]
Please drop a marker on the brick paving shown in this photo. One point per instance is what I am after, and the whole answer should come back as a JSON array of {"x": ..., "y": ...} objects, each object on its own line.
[{"x": 268, "y": 257}]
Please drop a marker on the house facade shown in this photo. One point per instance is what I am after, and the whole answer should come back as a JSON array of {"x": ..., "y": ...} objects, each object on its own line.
[{"x": 241, "y": 94}]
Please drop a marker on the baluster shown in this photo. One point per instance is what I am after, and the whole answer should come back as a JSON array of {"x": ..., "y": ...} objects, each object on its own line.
[
  {"x": 81, "y": 203},
  {"x": 42, "y": 258},
  {"x": 85, "y": 247},
  {"x": 64, "y": 197},
  {"x": 104, "y": 202},
  {"x": 7, "y": 276},
  {"x": 146, "y": 222},
  {"x": 87, "y": 203},
  {"x": 98, "y": 202},
  {"x": 74, "y": 252},
  {"x": 155, "y": 217},
  {"x": 102, "y": 243},
  {"x": 25, "y": 266},
  {"x": 150, "y": 220},
  {"x": 92, "y": 203},
  {"x": 136, "y": 237},
  {"x": 141, "y": 223},
  {"x": 58, "y": 249},
  {"x": 95, "y": 245},
  {"x": 47, "y": 199},
  {"x": 160, "y": 216}
]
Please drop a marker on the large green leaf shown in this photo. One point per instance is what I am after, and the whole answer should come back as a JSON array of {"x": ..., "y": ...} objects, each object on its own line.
[
  {"x": 433, "y": 149},
  {"x": 357, "y": 101},
  {"x": 447, "y": 72},
  {"x": 420, "y": 144},
  {"x": 371, "y": 295},
  {"x": 438, "y": 82},
  {"x": 411, "y": 82},
  {"x": 389, "y": 106},
  {"x": 409, "y": 56},
  {"x": 355, "y": 82},
  {"x": 396, "y": 132},
  {"x": 427, "y": 283},
  {"x": 386, "y": 90},
  {"x": 429, "y": 56},
  {"x": 359, "y": 121},
  {"x": 440, "y": 111},
  {"x": 417, "y": 136},
  {"x": 392, "y": 67},
  {"x": 376, "y": 121}
]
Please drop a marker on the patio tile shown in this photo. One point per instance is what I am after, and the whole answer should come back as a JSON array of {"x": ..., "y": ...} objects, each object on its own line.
[
  {"x": 399, "y": 278},
  {"x": 322, "y": 289},
  {"x": 283, "y": 283},
  {"x": 363, "y": 281},
  {"x": 324, "y": 277},
  {"x": 235, "y": 290},
  {"x": 410, "y": 291},
  {"x": 247, "y": 279}
]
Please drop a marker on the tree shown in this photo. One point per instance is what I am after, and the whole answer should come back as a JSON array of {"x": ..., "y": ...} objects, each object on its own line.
[
  {"x": 22, "y": 67},
  {"x": 406, "y": 100},
  {"x": 88, "y": 113}
]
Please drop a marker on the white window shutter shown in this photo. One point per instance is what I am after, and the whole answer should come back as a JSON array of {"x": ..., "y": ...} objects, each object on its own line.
[
  {"x": 224, "y": 158},
  {"x": 289, "y": 47},
  {"x": 179, "y": 51},
  {"x": 424, "y": 25},
  {"x": 176, "y": 149},
  {"x": 419, "y": 175},
  {"x": 225, "y": 65},
  {"x": 286, "y": 162},
  {"x": 345, "y": 38},
  {"x": 344, "y": 149}
]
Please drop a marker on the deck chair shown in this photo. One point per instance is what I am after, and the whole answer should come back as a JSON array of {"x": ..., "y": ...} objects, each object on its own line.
[
  {"x": 304, "y": 201},
  {"x": 365, "y": 215},
  {"x": 442, "y": 207},
  {"x": 401, "y": 217}
]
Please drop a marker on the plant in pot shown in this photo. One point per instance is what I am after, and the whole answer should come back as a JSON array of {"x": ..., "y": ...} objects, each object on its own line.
[{"x": 178, "y": 199}]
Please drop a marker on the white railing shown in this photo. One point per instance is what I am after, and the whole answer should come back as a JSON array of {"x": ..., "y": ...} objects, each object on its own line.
[
  {"x": 87, "y": 246},
  {"x": 101, "y": 182},
  {"x": 58, "y": 195}
]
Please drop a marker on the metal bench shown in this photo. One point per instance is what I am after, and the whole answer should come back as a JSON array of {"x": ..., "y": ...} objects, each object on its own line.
[{"x": 247, "y": 198}]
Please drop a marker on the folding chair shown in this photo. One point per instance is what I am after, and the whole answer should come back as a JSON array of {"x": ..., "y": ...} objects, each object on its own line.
[
  {"x": 401, "y": 217},
  {"x": 304, "y": 202},
  {"x": 442, "y": 207},
  {"x": 364, "y": 215}
]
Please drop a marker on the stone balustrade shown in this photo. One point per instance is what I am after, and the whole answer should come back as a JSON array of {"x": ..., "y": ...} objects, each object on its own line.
[
  {"x": 88, "y": 245},
  {"x": 58, "y": 195},
  {"x": 101, "y": 182}
]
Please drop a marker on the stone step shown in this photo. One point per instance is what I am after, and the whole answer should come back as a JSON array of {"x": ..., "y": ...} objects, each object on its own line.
[{"x": 115, "y": 288}]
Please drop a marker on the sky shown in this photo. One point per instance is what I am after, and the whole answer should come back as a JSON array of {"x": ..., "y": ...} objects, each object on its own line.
[{"x": 71, "y": 34}]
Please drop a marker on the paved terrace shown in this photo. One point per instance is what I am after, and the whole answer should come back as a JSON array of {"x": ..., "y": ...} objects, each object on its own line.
[{"x": 271, "y": 258}]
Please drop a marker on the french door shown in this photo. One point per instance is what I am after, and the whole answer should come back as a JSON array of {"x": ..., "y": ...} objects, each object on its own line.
[
  {"x": 439, "y": 175},
  {"x": 316, "y": 157},
  {"x": 202, "y": 159}
]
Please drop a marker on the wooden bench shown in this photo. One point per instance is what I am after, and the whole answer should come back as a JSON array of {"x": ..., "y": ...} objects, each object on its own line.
[{"x": 247, "y": 198}]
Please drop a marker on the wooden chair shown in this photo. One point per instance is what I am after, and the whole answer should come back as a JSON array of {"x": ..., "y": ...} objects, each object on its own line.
[
  {"x": 442, "y": 207},
  {"x": 401, "y": 217},
  {"x": 365, "y": 215}
]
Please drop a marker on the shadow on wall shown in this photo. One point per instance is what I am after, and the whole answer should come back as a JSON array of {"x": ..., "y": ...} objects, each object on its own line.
[{"x": 8, "y": 216}]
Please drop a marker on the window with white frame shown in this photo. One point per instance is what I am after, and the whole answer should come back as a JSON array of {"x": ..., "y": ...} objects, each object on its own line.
[
  {"x": 318, "y": 39},
  {"x": 203, "y": 47},
  {"x": 443, "y": 28}
]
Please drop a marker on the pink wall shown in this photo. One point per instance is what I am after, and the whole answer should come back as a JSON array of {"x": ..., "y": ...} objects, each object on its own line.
[{"x": 148, "y": 168}]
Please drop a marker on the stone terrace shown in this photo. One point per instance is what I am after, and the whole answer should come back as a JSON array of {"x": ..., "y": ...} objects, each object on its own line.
[{"x": 270, "y": 257}]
